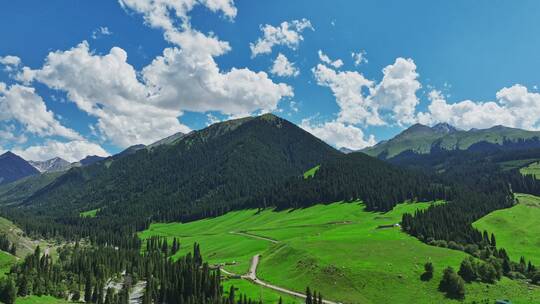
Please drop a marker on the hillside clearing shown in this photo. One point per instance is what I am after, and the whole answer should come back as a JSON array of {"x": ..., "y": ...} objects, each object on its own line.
[
  {"x": 516, "y": 228},
  {"x": 336, "y": 249}
]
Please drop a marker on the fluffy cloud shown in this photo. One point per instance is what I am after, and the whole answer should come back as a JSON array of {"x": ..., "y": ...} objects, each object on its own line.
[
  {"x": 107, "y": 87},
  {"x": 143, "y": 106},
  {"x": 10, "y": 60},
  {"x": 335, "y": 63},
  {"x": 193, "y": 82},
  {"x": 287, "y": 34},
  {"x": 100, "y": 32},
  {"x": 71, "y": 151},
  {"x": 359, "y": 57},
  {"x": 159, "y": 13},
  {"x": 283, "y": 67},
  {"x": 22, "y": 104},
  {"x": 514, "y": 107},
  {"x": 347, "y": 88},
  {"x": 397, "y": 91},
  {"x": 362, "y": 101},
  {"x": 339, "y": 134},
  {"x": 10, "y": 63}
]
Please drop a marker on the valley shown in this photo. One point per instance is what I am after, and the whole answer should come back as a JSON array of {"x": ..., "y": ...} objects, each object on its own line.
[
  {"x": 339, "y": 249},
  {"x": 251, "y": 198}
]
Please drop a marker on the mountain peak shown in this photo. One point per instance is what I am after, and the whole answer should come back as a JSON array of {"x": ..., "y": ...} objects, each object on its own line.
[
  {"x": 444, "y": 128},
  {"x": 14, "y": 167},
  {"x": 55, "y": 164},
  {"x": 9, "y": 154},
  {"x": 416, "y": 129}
]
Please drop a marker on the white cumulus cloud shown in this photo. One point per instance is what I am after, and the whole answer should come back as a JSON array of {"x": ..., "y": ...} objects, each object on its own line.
[
  {"x": 283, "y": 67},
  {"x": 347, "y": 87},
  {"x": 515, "y": 106},
  {"x": 361, "y": 100},
  {"x": 71, "y": 151},
  {"x": 100, "y": 32},
  {"x": 339, "y": 134},
  {"x": 10, "y": 60},
  {"x": 107, "y": 88},
  {"x": 335, "y": 63},
  {"x": 22, "y": 104},
  {"x": 143, "y": 106},
  {"x": 397, "y": 91},
  {"x": 288, "y": 34},
  {"x": 359, "y": 57}
]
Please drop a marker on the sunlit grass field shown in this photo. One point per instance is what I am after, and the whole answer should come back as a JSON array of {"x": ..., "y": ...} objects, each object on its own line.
[
  {"x": 338, "y": 249},
  {"x": 517, "y": 229}
]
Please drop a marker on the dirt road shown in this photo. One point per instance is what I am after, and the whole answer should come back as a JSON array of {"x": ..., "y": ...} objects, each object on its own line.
[{"x": 252, "y": 276}]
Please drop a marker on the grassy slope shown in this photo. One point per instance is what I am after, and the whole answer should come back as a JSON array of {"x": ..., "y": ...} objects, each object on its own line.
[
  {"x": 517, "y": 229},
  {"x": 516, "y": 164},
  {"x": 19, "y": 190},
  {"x": 256, "y": 292},
  {"x": 462, "y": 140},
  {"x": 25, "y": 245},
  {"x": 6, "y": 261},
  {"x": 41, "y": 300},
  {"x": 89, "y": 213},
  {"x": 336, "y": 249},
  {"x": 532, "y": 169},
  {"x": 311, "y": 172}
]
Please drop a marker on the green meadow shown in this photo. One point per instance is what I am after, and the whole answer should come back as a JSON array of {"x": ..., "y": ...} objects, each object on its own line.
[
  {"x": 311, "y": 172},
  {"x": 89, "y": 213},
  {"x": 531, "y": 169},
  {"x": 40, "y": 300},
  {"x": 516, "y": 229},
  {"x": 6, "y": 261},
  {"x": 348, "y": 254}
]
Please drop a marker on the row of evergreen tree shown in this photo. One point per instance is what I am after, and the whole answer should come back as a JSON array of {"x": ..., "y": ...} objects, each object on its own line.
[{"x": 87, "y": 273}]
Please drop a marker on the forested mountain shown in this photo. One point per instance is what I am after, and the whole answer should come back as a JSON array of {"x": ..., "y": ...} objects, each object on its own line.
[
  {"x": 422, "y": 139},
  {"x": 354, "y": 176},
  {"x": 89, "y": 160},
  {"x": 13, "y": 167},
  {"x": 19, "y": 190},
  {"x": 52, "y": 165},
  {"x": 204, "y": 173}
]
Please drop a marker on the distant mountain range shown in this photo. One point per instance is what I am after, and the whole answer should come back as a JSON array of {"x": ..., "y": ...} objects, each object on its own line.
[
  {"x": 13, "y": 167},
  {"x": 56, "y": 164},
  {"x": 421, "y": 139}
]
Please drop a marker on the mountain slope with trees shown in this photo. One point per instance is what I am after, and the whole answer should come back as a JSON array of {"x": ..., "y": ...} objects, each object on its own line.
[
  {"x": 205, "y": 173},
  {"x": 421, "y": 139}
]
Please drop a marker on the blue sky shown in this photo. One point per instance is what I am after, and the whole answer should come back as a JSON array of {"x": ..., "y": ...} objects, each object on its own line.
[{"x": 93, "y": 77}]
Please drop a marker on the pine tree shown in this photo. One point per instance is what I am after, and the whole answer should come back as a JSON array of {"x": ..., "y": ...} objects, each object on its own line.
[
  {"x": 428, "y": 272},
  {"x": 452, "y": 284},
  {"x": 467, "y": 270},
  {"x": 88, "y": 289},
  {"x": 309, "y": 300},
  {"x": 493, "y": 241}
]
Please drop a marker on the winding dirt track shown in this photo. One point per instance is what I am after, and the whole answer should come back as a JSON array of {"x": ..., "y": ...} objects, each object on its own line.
[
  {"x": 252, "y": 276},
  {"x": 252, "y": 273}
]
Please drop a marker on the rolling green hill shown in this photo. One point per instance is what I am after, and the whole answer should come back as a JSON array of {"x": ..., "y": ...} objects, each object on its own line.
[
  {"x": 516, "y": 228},
  {"x": 422, "y": 139},
  {"x": 347, "y": 253}
]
